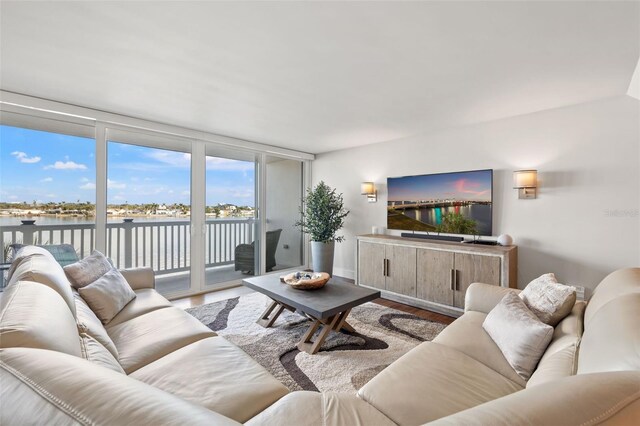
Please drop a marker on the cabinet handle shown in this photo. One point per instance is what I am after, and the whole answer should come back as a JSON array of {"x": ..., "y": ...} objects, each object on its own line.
[
  {"x": 384, "y": 267},
  {"x": 455, "y": 279},
  {"x": 387, "y": 265},
  {"x": 452, "y": 279}
]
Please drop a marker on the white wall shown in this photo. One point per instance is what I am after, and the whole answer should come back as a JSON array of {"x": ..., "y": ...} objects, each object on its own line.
[
  {"x": 284, "y": 183},
  {"x": 584, "y": 223}
]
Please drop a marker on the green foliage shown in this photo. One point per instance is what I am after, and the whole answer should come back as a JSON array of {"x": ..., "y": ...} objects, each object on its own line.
[
  {"x": 323, "y": 214},
  {"x": 456, "y": 223}
]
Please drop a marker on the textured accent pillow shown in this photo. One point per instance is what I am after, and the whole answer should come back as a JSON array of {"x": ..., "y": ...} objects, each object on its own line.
[
  {"x": 88, "y": 270},
  {"x": 548, "y": 299},
  {"x": 93, "y": 351},
  {"x": 519, "y": 334},
  {"x": 107, "y": 295}
]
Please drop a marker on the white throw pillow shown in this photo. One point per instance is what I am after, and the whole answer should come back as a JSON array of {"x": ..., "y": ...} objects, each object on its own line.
[
  {"x": 519, "y": 334},
  {"x": 548, "y": 299},
  {"x": 88, "y": 270},
  {"x": 107, "y": 295}
]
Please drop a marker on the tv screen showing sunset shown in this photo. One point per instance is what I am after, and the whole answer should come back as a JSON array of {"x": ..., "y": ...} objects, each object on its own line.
[{"x": 452, "y": 203}]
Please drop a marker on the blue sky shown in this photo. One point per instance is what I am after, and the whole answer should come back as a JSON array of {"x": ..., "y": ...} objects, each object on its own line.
[
  {"x": 44, "y": 167},
  {"x": 475, "y": 185}
]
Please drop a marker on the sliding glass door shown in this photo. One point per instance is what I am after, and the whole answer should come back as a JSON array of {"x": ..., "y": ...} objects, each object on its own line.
[
  {"x": 202, "y": 211},
  {"x": 149, "y": 206},
  {"x": 283, "y": 196},
  {"x": 232, "y": 240}
]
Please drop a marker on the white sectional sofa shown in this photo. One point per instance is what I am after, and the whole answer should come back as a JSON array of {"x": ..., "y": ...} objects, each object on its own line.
[{"x": 176, "y": 371}]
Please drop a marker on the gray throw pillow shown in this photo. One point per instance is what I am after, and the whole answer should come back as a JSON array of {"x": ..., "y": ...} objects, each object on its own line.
[
  {"x": 88, "y": 270},
  {"x": 519, "y": 334}
]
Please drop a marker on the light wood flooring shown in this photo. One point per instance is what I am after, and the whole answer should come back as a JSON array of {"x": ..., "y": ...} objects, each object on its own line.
[{"x": 215, "y": 296}]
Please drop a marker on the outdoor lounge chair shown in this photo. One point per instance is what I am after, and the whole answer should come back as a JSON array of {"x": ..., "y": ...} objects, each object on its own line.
[{"x": 245, "y": 253}]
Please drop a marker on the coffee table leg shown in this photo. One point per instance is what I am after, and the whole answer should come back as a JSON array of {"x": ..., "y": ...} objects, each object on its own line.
[
  {"x": 342, "y": 322},
  {"x": 336, "y": 322},
  {"x": 267, "y": 321}
]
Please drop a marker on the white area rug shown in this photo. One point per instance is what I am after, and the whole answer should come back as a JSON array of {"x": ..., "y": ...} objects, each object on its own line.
[{"x": 346, "y": 361}]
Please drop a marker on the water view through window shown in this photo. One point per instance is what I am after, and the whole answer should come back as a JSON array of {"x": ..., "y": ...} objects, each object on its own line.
[
  {"x": 48, "y": 193},
  {"x": 47, "y": 190}
]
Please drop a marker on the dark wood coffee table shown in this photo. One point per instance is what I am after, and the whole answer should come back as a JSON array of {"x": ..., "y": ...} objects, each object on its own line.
[{"x": 327, "y": 307}]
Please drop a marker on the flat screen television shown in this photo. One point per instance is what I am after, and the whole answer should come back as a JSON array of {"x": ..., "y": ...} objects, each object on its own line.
[{"x": 452, "y": 203}]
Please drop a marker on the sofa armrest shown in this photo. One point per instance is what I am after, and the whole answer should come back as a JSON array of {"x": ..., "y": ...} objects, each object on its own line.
[
  {"x": 484, "y": 297},
  {"x": 611, "y": 398},
  {"x": 139, "y": 278}
]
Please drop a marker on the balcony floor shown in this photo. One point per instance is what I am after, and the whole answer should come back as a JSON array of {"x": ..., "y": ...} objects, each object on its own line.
[{"x": 180, "y": 281}]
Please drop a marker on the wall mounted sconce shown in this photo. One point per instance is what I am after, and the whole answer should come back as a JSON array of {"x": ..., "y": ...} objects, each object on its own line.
[
  {"x": 526, "y": 182},
  {"x": 369, "y": 189}
]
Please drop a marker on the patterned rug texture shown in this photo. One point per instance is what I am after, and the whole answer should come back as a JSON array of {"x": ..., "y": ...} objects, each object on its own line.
[{"x": 346, "y": 361}]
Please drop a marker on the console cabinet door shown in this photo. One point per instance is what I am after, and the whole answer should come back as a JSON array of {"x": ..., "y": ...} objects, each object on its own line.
[
  {"x": 371, "y": 265},
  {"x": 474, "y": 268},
  {"x": 434, "y": 276},
  {"x": 401, "y": 270}
]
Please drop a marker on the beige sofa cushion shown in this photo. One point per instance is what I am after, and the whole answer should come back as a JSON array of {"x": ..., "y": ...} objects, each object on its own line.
[
  {"x": 467, "y": 336},
  {"x": 90, "y": 324},
  {"x": 146, "y": 300},
  {"x": 433, "y": 381},
  {"x": 519, "y": 334},
  {"x": 38, "y": 265},
  {"x": 561, "y": 357},
  {"x": 318, "y": 409},
  {"x": 146, "y": 338},
  {"x": 614, "y": 285},
  {"x": 107, "y": 295},
  {"x": 611, "y": 339},
  {"x": 94, "y": 352},
  {"x": 548, "y": 299},
  {"x": 588, "y": 399},
  {"x": 71, "y": 390},
  {"x": 216, "y": 374},
  {"x": 35, "y": 316}
]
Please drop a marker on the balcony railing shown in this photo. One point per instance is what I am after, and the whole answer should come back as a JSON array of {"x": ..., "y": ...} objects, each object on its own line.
[{"x": 164, "y": 246}]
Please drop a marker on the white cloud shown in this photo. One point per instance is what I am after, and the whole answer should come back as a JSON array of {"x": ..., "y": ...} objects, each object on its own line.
[
  {"x": 185, "y": 193},
  {"x": 112, "y": 184},
  {"x": 47, "y": 179},
  {"x": 84, "y": 179},
  {"x": 88, "y": 185},
  {"x": 13, "y": 197},
  {"x": 51, "y": 195},
  {"x": 66, "y": 165},
  {"x": 118, "y": 198},
  {"x": 24, "y": 158}
]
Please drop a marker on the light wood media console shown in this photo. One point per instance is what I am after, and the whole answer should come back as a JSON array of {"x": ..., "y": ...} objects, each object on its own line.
[{"x": 432, "y": 274}]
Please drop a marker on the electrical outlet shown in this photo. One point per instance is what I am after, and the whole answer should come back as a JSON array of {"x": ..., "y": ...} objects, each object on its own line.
[
  {"x": 286, "y": 246},
  {"x": 579, "y": 292}
]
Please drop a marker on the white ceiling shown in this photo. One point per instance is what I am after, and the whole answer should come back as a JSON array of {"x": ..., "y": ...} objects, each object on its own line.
[{"x": 324, "y": 75}]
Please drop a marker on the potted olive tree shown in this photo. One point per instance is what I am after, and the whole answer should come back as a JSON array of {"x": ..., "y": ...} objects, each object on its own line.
[{"x": 322, "y": 216}]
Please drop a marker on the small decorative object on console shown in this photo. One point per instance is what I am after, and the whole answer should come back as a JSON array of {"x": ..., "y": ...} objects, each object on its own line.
[
  {"x": 505, "y": 240},
  {"x": 306, "y": 280}
]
